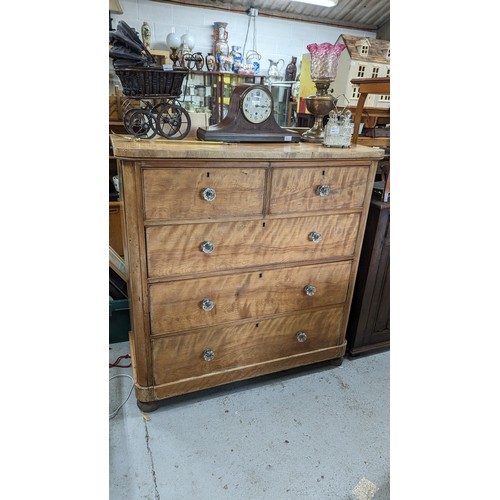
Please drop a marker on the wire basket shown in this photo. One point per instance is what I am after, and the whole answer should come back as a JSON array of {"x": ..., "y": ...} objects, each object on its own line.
[{"x": 149, "y": 82}]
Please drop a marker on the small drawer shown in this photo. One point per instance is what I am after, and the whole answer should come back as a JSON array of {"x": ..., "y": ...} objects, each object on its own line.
[
  {"x": 209, "y": 247},
  {"x": 221, "y": 348},
  {"x": 313, "y": 189},
  {"x": 183, "y": 305},
  {"x": 202, "y": 193}
]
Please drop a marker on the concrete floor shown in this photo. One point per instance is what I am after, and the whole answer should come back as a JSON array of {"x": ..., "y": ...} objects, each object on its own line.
[{"x": 318, "y": 432}]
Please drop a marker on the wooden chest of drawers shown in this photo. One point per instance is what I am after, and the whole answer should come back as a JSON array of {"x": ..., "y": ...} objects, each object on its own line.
[{"x": 241, "y": 258}]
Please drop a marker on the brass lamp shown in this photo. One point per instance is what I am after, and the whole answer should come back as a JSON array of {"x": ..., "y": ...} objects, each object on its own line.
[
  {"x": 174, "y": 43},
  {"x": 324, "y": 62}
]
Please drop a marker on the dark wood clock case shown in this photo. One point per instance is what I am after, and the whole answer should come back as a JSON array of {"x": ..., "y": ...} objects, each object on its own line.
[{"x": 236, "y": 128}]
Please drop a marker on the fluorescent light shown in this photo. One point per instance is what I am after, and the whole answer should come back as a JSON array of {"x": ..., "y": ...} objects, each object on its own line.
[{"x": 323, "y": 3}]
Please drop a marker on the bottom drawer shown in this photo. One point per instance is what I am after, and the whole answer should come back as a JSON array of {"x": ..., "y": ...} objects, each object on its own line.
[{"x": 217, "y": 349}]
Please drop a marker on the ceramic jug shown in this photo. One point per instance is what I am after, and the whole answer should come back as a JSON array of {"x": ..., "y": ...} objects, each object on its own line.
[
  {"x": 253, "y": 58},
  {"x": 274, "y": 69}
]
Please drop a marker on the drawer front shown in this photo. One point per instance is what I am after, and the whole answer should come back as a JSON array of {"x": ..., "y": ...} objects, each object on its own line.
[
  {"x": 198, "y": 248},
  {"x": 194, "y": 193},
  {"x": 311, "y": 189},
  {"x": 190, "y": 355},
  {"x": 184, "y": 305}
]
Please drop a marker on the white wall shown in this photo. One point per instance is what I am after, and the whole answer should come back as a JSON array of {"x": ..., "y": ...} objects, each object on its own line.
[{"x": 276, "y": 38}]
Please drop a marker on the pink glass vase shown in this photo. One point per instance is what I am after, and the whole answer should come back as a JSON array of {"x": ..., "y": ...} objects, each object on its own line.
[{"x": 324, "y": 60}]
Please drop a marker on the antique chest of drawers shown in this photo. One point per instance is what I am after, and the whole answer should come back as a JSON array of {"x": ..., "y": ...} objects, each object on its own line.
[{"x": 241, "y": 258}]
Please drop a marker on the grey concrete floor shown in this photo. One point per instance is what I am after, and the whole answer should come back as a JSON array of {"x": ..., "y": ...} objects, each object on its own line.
[{"x": 318, "y": 432}]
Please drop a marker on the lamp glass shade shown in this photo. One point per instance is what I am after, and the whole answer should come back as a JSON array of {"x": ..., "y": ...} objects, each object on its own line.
[
  {"x": 188, "y": 40},
  {"x": 173, "y": 41},
  {"x": 324, "y": 60}
]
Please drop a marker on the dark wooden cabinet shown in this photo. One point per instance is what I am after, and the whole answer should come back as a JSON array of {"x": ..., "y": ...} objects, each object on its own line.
[{"x": 369, "y": 321}]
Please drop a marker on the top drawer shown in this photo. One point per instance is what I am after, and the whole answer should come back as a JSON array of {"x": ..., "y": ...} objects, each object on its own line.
[
  {"x": 323, "y": 188},
  {"x": 202, "y": 192}
]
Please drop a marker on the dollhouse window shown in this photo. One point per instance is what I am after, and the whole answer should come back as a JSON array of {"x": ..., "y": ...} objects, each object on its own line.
[
  {"x": 363, "y": 47},
  {"x": 388, "y": 54},
  {"x": 385, "y": 98},
  {"x": 355, "y": 92},
  {"x": 361, "y": 71},
  {"x": 375, "y": 71},
  {"x": 388, "y": 71}
]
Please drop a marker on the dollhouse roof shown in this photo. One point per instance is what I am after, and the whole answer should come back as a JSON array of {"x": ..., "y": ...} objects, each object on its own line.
[{"x": 377, "y": 48}]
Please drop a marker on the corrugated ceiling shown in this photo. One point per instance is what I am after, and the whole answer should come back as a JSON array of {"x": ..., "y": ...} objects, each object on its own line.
[{"x": 360, "y": 14}]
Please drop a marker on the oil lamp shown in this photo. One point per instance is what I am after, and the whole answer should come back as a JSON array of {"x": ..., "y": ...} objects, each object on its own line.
[
  {"x": 324, "y": 62},
  {"x": 173, "y": 43}
]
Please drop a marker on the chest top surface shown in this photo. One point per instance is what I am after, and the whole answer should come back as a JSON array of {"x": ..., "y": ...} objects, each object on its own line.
[{"x": 128, "y": 147}]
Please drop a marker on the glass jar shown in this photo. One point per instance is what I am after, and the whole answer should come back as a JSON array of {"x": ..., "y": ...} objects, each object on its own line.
[{"x": 338, "y": 130}]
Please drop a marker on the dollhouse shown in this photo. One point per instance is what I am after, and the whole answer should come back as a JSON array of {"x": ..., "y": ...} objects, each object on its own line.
[{"x": 362, "y": 58}]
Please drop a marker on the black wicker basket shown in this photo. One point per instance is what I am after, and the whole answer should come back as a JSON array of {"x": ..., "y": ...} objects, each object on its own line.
[{"x": 143, "y": 82}]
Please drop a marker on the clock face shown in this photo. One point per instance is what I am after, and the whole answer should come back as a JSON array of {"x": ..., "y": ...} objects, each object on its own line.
[{"x": 257, "y": 105}]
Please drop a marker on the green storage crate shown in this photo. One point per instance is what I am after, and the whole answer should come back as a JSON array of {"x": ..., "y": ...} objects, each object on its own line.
[{"x": 119, "y": 321}]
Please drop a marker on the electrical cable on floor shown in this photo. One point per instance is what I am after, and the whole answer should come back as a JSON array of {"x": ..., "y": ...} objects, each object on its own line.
[
  {"x": 118, "y": 359},
  {"x": 114, "y": 413}
]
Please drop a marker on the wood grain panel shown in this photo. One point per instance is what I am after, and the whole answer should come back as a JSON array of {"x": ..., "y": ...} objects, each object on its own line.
[
  {"x": 175, "y": 193},
  {"x": 183, "y": 386},
  {"x": 181, "y": 356},
  {"x": 294, "y": 190},
  {"x": 126, "y": 147},
  {"x": 176, "y": 306},
  {"x": 174, "y": 250}
]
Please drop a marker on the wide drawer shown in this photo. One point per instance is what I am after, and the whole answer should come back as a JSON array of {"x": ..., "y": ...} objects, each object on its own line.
[
  {"x": 202, "y": 193},
  {"x": 221, "y": 348},
  {"x": 183, "y": 305},
  {"x": 324, "y": 188},
  {"x": 198, "y": 248}
]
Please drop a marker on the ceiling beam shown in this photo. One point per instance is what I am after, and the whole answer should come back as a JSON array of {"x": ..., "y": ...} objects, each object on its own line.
[{"x": 218, "y": 5}]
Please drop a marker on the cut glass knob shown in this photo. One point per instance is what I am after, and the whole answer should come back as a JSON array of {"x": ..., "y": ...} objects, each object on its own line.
[
  {"x": 207, "y": 305},
  {"x": 301, "y": 336},
  {"x": 209, "y": 194},
  {"x": 208, "y": 355},
  {"x": 310, "y": 290},
  {"x": 315, "y": 236},
  {"x": 323, "y": 190},
  {"x": 207, "y": 247}
]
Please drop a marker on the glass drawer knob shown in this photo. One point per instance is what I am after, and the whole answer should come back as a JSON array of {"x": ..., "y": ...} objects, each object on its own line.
[
  {"x": 207, "y": 247},
  {"x": 315, "y": 236},
  {"x": 301, "y": 336},
  {"x": 207, "y": 305},
  {"x": 323, "y": 190},
  {"x": 310, "y": 290},
  {"x": 208, "y": 355},
  {"x": 209, "y": 194}
]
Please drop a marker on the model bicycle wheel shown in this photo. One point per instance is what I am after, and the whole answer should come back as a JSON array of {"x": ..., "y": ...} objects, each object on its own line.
[
  {"x": 172, "y": 121},
  {"x": 140, "y": 123}
]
